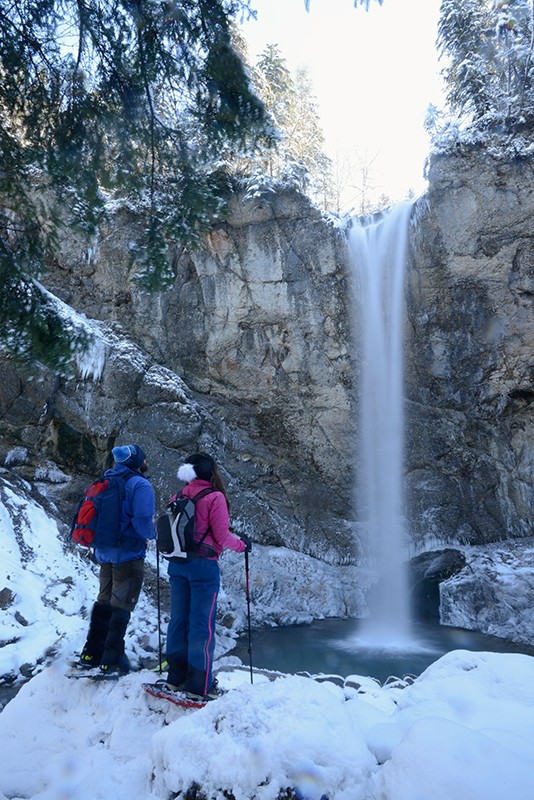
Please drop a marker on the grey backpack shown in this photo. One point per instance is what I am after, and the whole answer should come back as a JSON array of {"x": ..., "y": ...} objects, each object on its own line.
[{"x": 175, "y": 530}]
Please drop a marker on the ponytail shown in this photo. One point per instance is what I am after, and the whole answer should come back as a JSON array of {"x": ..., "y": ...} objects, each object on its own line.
[{"x": 217, "y": 483}]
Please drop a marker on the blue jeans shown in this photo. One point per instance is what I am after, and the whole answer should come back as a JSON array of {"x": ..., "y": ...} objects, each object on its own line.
[{"x": 191, "y": 633}]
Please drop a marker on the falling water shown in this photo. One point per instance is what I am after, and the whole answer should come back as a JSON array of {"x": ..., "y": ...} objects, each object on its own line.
[{"x": 378, "y": 248}]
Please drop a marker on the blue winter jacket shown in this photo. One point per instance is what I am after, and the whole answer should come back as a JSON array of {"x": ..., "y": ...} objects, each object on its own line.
[{"x": 137, "y": 519}]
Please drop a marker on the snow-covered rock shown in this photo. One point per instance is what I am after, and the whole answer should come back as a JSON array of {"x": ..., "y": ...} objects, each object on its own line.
[{"x": 494, "y": 593}]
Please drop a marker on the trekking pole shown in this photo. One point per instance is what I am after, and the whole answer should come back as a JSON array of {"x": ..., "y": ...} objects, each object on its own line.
[
  {"x": 158, "y": 600},
  {"x": 248, "y": 615}
]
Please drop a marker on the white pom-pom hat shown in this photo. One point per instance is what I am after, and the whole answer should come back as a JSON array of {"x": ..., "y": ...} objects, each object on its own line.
[
  {"x": 186, "y": 473},
  {"x": 198, "y": 465}
]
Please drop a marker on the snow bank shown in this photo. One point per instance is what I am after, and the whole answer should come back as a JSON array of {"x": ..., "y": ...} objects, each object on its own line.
[
  {"x": 290, "y": 733},
  {"x": 41, "y": 606},
  {"x": 46, "y": 590},
  {"x": 470, "y": 711},
  {"x": 463, "y": 730}
]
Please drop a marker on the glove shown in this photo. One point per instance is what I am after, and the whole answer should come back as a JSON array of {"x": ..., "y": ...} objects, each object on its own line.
[{"x": 247, "y": 542}]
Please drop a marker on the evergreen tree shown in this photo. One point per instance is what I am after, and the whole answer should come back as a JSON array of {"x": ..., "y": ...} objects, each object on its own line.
[
  {"x": 463, "y": 35},
  {"x": 276, "y": 89},
  {"x": 289, "y": 99},
  {"x": 125, "y": 98},
  {"x": 488, "y": 45},
  {"x": 306, "y": 138}
]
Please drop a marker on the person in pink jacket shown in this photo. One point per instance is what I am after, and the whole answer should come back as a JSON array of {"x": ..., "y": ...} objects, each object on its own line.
[{"x": 195, "y": 581}]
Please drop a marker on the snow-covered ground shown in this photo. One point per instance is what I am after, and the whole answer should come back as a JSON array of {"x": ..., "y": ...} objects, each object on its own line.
[
  {"x": 464, "y": 730},
  {"x": 47, "y": 588}
]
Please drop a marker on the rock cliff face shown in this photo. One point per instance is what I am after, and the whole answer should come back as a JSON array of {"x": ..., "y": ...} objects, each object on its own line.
[
  {"x": 249, "y": 355},
  {"x": 470, "y": 354},
  {"x": 257, "y": 327}
]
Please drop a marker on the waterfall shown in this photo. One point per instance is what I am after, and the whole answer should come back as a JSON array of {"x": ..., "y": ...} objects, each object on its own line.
[{"x": 378, "y": 247}]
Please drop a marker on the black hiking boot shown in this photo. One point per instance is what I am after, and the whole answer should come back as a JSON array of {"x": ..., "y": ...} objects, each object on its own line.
[
  {"x": 114, "y": 658},
  {"x": 121, "y": 667},
  {"x": 169, "y": 687},
  {"x": 93, "y": 648},
  {"x": 86, "y": 661},
  {"x": 176, "y": 670},
  {"x": 212, "y": 694}
]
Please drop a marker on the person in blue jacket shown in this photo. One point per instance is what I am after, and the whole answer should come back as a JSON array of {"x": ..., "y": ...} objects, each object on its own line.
[{"x": 121, "y": 566}]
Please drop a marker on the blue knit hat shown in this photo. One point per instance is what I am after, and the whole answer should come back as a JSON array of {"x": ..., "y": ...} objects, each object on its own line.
[{"x": 129, "y": 455}]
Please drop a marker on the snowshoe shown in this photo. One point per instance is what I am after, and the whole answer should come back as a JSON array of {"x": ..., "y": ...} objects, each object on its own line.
[
  {"x": 79, "y": 669},
  {"x": 163, "y": 691}
]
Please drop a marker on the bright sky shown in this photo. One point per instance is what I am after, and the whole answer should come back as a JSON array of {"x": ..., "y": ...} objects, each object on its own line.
[{"x": 374, "y": 74}]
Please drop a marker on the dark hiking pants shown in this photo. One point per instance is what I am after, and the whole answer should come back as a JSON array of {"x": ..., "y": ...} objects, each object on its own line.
[{"x": 120, "y": 584}]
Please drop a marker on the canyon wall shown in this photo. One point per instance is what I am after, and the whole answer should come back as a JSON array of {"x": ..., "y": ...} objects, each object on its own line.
[{"x": 470, "y": 353}]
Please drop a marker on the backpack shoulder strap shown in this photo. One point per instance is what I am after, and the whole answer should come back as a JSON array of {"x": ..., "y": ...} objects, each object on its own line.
[
  {"x": 198, "y": 496},
  {"x": 202, "y": 493}
]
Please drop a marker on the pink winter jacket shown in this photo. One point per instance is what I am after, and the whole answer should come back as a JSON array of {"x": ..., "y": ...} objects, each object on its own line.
[{"x": 211, "y": 511}]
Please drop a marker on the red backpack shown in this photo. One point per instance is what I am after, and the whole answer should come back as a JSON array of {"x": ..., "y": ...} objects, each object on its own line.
[{"x": 97, "y": 521}]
